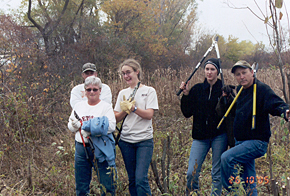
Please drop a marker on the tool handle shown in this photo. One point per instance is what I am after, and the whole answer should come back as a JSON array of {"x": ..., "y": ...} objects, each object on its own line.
[
  {"x": 84, "y": 144},
  {"x": 229, "y": 109},
  {"x": 200, "y": 62},
  {"x": 254, "y": 106}
]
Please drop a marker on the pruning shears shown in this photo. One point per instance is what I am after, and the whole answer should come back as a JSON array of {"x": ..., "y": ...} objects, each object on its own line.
[
  {"x": 89, "y": 139},
  {"x": 214, "y": 44}
]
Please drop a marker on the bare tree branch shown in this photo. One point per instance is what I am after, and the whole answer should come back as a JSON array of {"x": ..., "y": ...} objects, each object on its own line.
[
  {"x": 44, "y": 11},
  {"x": 31, "y": 19},
  {"x": 59, "y": 19},
  {"x": 248, "y": 8},
  {"x": 47, "y": 30}
]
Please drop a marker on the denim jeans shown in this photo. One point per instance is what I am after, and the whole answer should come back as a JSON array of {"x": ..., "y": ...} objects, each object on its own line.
[
  {"x": 198, "y": 152},
  {"x": 137, "y": 158},
  {"x": 244, "y": 153},
  {"x": 83, "y": 172}
]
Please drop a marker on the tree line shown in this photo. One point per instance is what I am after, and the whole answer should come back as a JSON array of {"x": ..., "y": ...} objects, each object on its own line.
[{"x": 45, "y": 43}]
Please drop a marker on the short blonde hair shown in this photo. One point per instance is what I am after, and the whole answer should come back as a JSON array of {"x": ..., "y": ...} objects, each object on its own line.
[{"x": 134, "y": 65}]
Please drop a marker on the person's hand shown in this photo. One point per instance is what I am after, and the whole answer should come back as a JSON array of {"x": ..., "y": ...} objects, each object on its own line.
[
  {"x": 287, "y": 115},
  {"x": 228, "y": 90},
  {"x": 184, "y": 88},
  {"x": 85, "y": 133},
  {"x": 76, "y": 124},
  {"x": 126, "y": 105}
]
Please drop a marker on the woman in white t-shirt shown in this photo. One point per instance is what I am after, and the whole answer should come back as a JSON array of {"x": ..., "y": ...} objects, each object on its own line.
[
  {"x": 98, "y": 123},
  {"x": 136, "y": 141}
]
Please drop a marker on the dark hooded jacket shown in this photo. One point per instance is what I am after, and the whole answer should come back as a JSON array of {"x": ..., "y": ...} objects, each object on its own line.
[
  {"x": 267, "y": 103},
  {"x": 201, "y": 103},
  {"x": 228, "y": 122}
]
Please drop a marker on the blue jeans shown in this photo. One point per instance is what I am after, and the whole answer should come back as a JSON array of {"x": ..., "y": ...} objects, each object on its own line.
[
  {"x": 137, "y": 158},
  {"x": 83, "y": 172},
  {"x": 244, "y": 153},
  {"x": 198, "y": 152}
]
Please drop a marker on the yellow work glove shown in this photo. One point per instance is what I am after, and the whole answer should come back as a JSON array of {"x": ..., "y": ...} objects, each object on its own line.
[{"x": 127, "y": 105}]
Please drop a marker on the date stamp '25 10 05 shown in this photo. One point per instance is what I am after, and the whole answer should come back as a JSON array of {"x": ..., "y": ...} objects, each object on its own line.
[{"x": 259, "y": 179}]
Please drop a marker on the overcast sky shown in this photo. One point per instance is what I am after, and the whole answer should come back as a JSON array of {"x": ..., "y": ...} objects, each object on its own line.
[
  {"x": 9, "y": 4},
  {"x": 216, "y": 16}
]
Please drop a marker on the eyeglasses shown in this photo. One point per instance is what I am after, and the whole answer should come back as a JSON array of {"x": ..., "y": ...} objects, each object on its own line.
[
  {"x": 89, "y": 89},
  {"x": 126, "y": 73}
]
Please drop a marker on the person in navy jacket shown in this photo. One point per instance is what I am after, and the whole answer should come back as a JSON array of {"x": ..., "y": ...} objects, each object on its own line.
[{"x": 250, "y": 143}]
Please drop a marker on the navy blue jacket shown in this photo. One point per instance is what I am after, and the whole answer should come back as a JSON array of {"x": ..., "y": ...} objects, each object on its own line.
[
  {"x": 267, "y": 103},
  {"x": 201, "y": 104}
]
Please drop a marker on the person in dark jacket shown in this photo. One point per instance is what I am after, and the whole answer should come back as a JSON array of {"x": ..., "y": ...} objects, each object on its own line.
[
  {"x": 200, "y": 102},
  {"x": 222, "y": 108},
  {"x": 250, "y": 144}
]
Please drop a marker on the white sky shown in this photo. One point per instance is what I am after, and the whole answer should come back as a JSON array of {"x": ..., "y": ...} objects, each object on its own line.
[
  {"x": 6, "y": 5},
  {"x": 217, "y": 17}
]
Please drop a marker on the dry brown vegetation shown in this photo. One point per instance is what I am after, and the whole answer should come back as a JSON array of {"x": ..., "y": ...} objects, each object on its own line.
[
  {"x": 45, "y": 49},
  {"x": 37, "y": 149}
]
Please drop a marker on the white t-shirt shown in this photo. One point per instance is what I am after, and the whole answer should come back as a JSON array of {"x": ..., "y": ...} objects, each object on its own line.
[
  {"x": 135, "y": 128},
  {"x": 78, "y": 94},
  {"x": 87, "y": 112}
]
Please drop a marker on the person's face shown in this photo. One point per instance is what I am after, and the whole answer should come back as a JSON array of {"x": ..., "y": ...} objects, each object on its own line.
[
  {"x": 89, "y": 73},
  {"x": 211, "y": 72},
  {"x": 244, "y": 76},
  {"x": 93, "y": 93},
  {"x": 129, "y": 75}
]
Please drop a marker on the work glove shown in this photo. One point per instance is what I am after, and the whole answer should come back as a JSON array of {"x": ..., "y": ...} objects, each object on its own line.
[
  {"x": 126, "y": 105},
  {"x": 76, "y": 124},
  {"x": 85, "y": 133},
  {"x": 228, "y": 89}
]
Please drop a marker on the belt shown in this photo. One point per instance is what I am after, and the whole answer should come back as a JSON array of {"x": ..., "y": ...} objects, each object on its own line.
[{"x": 86, "y": 144}]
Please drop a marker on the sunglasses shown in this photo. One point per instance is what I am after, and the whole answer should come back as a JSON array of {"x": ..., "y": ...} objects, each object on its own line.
[
  {"x": 89, "y": 89},
  {"x": 89, "y": 72}
]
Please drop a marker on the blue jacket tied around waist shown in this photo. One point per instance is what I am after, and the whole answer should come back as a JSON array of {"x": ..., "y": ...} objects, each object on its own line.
[{"x": 104, "y": 143}]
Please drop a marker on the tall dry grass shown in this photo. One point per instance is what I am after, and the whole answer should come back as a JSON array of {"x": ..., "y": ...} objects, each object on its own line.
[{"x": 45, "y": 165}]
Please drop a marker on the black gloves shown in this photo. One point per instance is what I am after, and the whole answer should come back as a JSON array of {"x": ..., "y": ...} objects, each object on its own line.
[{"x": 228, "y": 89}]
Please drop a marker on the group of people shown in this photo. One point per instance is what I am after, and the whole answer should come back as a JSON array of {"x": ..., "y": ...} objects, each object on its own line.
[
  {"x": 235, "y": 142},
  {"x": 202, "y": 102},
  {"x": 93, "y": 120}
]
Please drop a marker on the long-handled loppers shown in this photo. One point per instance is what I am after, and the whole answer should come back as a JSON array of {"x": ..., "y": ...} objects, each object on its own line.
[
  {"x": 255, "y": 65},
  {"x": 84, "y": 144},
  {"x": 255, "y": 68},
  {"x": 214, "y": 44}
]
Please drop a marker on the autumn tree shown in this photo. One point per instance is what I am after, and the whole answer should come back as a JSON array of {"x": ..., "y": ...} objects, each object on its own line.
[{"x": 151, "y": 30}]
